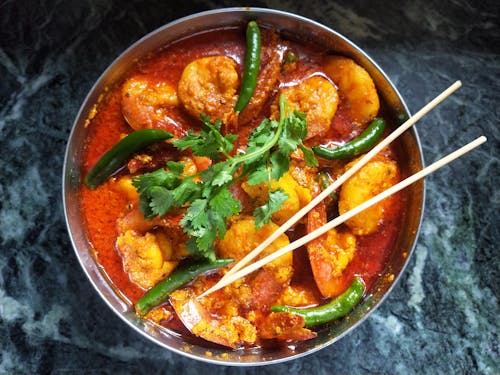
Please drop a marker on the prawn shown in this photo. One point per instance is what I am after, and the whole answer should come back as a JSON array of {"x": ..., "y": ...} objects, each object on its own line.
[
  {"x": 284, "y": 326},
  {"x": 209, "y": 86},
  {"x": 229, "y": 317},
  {"x": 148, "y": 103},
  {"x": 228, "y": 330},
  {"x": 329, "y": 254},
  {"x": 356, "y": 88},
  {"x": 317, "y": 97}
]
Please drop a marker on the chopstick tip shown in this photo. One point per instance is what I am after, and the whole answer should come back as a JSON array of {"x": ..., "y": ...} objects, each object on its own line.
[{"x": 205, "y": 293}]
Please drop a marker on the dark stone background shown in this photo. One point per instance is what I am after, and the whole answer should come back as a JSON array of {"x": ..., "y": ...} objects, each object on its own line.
[{"x": 442, "y": 317}]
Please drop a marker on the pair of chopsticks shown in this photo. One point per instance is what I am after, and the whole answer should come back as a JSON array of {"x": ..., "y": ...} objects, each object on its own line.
[{"x": 236, "y": 272}]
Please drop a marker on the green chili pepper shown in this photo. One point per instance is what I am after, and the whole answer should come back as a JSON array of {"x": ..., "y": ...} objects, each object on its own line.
[
  {"x": 366, "y": 140},
  {"x": 336, "y": 308},
  {"x": 325, "y": 180},
  {"x": 290, "y": 58},
  {"x": 121, "y": 152},
  {"x": 252, "y": 65},
  {"x": 182, "y": 275}
]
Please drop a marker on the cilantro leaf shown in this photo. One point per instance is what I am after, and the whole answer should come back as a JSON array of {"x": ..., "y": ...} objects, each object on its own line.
[
  {"x": 206, "y": 197},
  {"x": 294, "y": 131},
  {"x": 222, "y": 178},
  {"x": 187, "y": 191},
  {"x": 210, "y": 142},
  {"x": 195, "y": 216},
  {"x": 159, "y": 177},
  {"x": 155, "y": 189},
  {"x": 220, "y": 175},
  {"x": 218, "y": 223},
  {"x": 263, "y": 213},
  {"x": 258, "y": 175},
  {"x": 197, "y": 224},
  {"x": 258, "y": 139},
  {"x": 175, "y": 167},
  {"x": 205, "y": 219},
  {"x": 191, "y": 139},
  {"x": 192, "y": 247},
  {"x": 145, "y": 206},
  {"x": 223, "y": 205},
  {"x": 309, "y": 157},
  {"x": 280, "y": 163},
  {"x": 161, "y": 200}
]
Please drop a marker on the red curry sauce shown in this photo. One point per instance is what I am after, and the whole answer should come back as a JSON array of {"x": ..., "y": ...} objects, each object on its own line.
[{"x": 102, "y": 206}]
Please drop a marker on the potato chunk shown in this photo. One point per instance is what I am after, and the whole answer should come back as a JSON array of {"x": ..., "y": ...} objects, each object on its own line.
[
  {"x": 375, "y": 177},
  {"x": 145, "y": 258},
  {"x": 298, "y": 196},
  {"x": 242, "y": 237}
]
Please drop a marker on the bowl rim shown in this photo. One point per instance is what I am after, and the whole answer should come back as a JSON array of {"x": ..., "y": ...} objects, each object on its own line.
[{"x": 66, "y": 174}]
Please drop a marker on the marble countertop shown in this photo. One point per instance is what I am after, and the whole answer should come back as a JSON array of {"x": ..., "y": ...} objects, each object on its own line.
[{"x": 442, "y": 317}]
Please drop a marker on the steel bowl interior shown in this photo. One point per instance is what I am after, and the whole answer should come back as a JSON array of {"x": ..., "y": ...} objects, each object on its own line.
[{"x": 293, "y": 27}]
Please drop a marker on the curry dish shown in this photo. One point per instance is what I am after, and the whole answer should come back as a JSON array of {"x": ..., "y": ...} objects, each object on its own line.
[{"x": 189, "y": 89}]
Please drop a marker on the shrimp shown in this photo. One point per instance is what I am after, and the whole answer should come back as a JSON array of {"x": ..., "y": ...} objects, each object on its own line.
[
  {"x": 134, "y": 221},
  {"x": 209, "y": 86},
  {"x": 228, "y": 330},
  {"x": 284, "y": 326},
  {"x": 356, "y": 88},
  {"x": 147, "y": 103},
  {"x": 329, "y": 254},
  {"x": 233, "y": 315},
  {"x": 218, "y": 317},
  {"x": 315, "y": 96},
  {"x": 373, "y": 178},
  {"x": 146, "y": 259}
]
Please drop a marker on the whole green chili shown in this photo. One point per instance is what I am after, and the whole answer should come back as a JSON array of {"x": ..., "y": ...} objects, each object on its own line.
[
  {"x": 252, "y": 65},
  {"x": 336, "y": 308},
  {"x": 121, "y": 152},
  {"x": 182, "y": 275},
  {"x": 366, "y": 140}
]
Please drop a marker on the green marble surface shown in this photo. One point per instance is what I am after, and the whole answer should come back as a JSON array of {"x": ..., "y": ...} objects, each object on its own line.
[{"x": 441, "y": 318}]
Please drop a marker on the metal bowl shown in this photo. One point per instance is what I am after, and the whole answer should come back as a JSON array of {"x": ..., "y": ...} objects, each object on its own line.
[{"x": 292, "y": 27}]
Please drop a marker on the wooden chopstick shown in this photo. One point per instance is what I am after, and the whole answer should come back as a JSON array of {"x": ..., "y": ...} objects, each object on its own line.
[
  {"x": 336, "y": 184},
  {"x": 342, "y": 218}
]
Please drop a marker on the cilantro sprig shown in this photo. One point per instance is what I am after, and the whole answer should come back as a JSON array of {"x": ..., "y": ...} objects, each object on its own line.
[{"x": 206, "y": 196}]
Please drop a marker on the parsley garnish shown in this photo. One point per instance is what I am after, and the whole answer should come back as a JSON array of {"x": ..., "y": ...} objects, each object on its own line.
[{"x": 206, "y": 196}]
